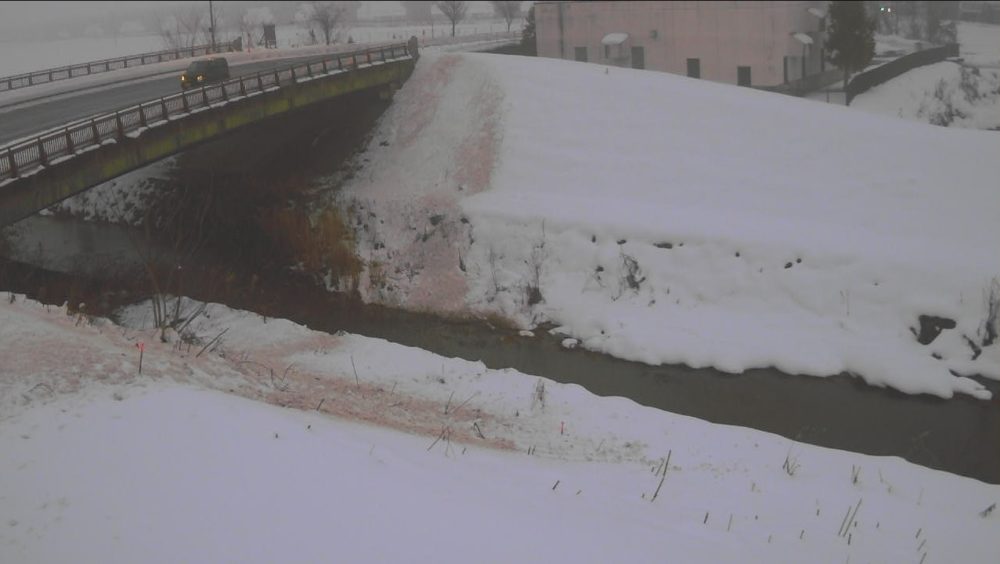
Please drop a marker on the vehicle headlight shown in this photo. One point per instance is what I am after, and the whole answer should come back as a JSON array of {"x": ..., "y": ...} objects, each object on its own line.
[{"x": 201, "y": 77}]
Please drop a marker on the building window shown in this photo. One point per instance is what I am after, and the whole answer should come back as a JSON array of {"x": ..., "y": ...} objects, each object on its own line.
[
  {"x": 638, "y": 58},
  {"x": 581, "y": 54},
  {"x": 743, "y": 76},
  {"x": 694, "y": 68}
]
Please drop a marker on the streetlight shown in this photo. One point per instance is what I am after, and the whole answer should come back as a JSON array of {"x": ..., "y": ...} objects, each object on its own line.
[{"x": 211, "y": 23}]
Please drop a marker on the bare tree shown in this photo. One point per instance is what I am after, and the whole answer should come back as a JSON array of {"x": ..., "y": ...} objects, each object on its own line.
[
  {"x": 507, "y": 10},
  {"x": 253, "y": 22},
  {"x": 453, "y": 10},
  {"x": 183, "y": 29},
  {"x": 328, "y": 17}
]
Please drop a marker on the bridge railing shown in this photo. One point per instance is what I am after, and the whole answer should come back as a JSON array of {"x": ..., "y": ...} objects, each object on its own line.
[
  {"x": 46, "y": 76},
  {"x": 24, "y": 156}
]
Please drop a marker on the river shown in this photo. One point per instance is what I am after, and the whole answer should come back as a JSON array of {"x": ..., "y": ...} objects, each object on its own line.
[{"x": 957, "y": 435}]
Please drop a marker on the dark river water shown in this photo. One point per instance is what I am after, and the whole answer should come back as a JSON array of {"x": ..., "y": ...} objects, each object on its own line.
[{"x": 960, "y": 435}]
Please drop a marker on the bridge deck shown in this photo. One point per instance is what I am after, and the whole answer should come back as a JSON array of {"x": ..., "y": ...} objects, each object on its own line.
[{"x": 45, "y": 169}]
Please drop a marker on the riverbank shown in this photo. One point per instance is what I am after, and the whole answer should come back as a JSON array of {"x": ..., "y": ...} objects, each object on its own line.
[
  {"x": 548, "y": 460},
  {"x": 838, "y": 412}
]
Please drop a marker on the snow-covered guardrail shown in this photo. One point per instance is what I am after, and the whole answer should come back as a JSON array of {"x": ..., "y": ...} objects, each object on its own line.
[
  {"x": 24, "y": 156},
  {"x": 46, "y": 76}
]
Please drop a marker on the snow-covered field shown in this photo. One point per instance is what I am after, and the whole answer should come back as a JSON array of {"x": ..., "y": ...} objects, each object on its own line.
[
  {"x": 180, "y": 464},
  {"x": 669, "y": 220},
  {"x": 979, "y": 43}
]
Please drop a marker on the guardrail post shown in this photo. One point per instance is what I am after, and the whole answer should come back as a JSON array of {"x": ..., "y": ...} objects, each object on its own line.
[
  {"x": 184, "y": 99},
  {"x": 69, "y": 142},
  {"x": 13, "y": 163},
  {"x": 325, "y": 71},
  {"x": 118, "y": 124},
  {"x": 88, "y": 68},
  {"x": 277, "y": 80},
  {"x": 142, "y": 116},
  {"x": 163, "y": 109},
  {"x": 93, "y": 129},
  {"x": 204, "y": 96},
  {"x": 42, "y": 159},
  {"x": 243, "y": 87},
  {"x": 369, "y": 54}
]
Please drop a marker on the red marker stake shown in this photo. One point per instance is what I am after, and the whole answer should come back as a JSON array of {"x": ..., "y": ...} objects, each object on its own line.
[{"x": 142, "y": 348}]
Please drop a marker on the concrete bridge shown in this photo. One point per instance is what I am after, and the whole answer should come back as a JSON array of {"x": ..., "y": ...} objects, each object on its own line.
[{"x": 45, "y": 168}]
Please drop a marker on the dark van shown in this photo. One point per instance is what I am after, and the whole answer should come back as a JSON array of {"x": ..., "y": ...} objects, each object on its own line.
[{"x": 202, "y": 72}]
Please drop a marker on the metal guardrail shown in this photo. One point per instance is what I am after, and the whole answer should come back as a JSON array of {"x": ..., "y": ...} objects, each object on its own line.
[
  {"x": 46, "y": 76},
  {"x": 27, "y": 155}
]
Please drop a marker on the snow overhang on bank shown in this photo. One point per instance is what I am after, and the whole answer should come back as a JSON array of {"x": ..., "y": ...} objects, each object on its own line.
[{"x": 667, "y": 220}]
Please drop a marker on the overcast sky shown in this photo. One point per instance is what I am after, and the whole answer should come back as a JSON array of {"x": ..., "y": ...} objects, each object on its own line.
[{"x": 37, "y": 12}]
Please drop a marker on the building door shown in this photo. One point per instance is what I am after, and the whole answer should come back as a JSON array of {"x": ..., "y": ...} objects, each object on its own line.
[
  {"x": 581, "y": 54},
  {"x": 694, "y": 68},
  {"x": 638, "y": 58},
  {"x": 743, "y": 76}
]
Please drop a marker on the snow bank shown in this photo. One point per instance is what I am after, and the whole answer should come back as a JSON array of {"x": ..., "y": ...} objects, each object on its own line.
[
  {"x": 103, "y": 465},
  {"x": 669, "y": 220}
]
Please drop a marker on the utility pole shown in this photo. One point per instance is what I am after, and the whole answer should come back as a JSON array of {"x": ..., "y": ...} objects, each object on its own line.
[{"x": 211, "y": 23}]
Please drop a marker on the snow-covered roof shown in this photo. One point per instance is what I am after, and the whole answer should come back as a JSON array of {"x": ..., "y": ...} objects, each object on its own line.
[
  {"x": 803, "y": 38},
  {"x": 614, "y": 38},
  {"x": 817, "y": 12}
]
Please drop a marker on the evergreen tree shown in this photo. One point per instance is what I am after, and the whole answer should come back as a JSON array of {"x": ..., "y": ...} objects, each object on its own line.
[
  {"x": 850, "y": 43},
  {"x": 528, "y": 34}
]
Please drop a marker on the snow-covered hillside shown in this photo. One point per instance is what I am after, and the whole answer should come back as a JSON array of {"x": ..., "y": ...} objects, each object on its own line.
[
  {"x": 669, "y": 220},
  {"x": 104, "y": 465}
]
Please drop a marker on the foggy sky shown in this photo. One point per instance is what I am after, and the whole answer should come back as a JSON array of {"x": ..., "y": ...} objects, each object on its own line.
[{"x": 24, "y": 20}]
